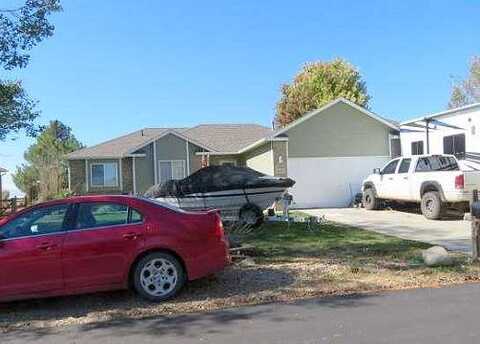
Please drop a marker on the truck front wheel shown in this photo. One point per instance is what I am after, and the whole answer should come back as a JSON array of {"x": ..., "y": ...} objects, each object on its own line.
[
  {"x": 431, "y": 205},
  {"x": 370, "y": 200}
]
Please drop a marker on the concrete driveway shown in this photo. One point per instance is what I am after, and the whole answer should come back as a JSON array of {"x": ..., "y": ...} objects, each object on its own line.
[{"x": 453, "y": 234}]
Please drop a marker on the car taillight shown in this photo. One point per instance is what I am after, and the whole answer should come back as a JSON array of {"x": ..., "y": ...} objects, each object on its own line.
[
  {"x": 219, "y": 231},
  {"x": 459, "y": 181}
]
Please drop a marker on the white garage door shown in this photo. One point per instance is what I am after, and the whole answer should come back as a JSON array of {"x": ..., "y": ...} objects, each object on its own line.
[{"x": 329, "y": 182}]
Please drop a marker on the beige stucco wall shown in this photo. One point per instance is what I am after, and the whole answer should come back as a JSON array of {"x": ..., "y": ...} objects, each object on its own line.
[
  {"x": 261, "y": 159},
  {"x": 340, "y": 131}
]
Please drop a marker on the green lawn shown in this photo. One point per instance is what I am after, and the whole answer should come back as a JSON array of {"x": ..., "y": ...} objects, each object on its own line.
[{"x": 280, "y": 241}]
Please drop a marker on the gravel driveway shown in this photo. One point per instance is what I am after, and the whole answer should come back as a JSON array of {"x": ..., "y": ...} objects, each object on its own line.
[{"x": 454, "y": 234}]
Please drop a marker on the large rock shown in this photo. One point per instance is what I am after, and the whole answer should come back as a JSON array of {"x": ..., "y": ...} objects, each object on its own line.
[{"x": 436, "y": 256}]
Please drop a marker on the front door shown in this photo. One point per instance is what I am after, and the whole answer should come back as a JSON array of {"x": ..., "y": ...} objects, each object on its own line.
[
  {"x": 31, "y": 252},
  {"x": 106, "y": 238}
]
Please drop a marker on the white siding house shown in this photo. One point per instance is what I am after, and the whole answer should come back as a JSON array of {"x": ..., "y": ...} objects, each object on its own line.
[{"x": 455, "y": 131}]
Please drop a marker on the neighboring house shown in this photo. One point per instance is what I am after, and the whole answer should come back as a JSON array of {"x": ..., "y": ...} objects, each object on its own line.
[
  {"x": 454, "y": 131},
  {"x": 328, "y": 152}
]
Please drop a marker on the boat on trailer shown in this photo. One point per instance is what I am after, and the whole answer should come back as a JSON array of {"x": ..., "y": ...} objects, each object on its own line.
[{"x": 240, "y": 193}]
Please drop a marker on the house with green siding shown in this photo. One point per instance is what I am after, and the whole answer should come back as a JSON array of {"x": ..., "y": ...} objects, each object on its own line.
[{"x": 328, "y": 152}]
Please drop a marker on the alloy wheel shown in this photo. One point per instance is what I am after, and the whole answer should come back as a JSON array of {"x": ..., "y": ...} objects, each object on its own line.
[{"x": 159, "y": 277}]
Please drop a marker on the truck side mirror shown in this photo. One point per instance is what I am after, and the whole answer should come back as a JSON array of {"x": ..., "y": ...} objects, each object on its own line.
[{"x": 376, "y": 171}]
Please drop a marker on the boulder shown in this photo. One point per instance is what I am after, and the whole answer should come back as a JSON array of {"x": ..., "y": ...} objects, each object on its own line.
[{"x": 436, "y": 256}]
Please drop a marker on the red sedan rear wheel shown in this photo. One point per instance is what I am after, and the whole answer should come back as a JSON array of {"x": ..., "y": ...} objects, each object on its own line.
[{"x": 158, "y": 276}]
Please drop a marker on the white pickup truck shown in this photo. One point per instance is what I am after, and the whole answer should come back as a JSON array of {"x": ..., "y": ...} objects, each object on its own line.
[{"x": 434, "y": 181}]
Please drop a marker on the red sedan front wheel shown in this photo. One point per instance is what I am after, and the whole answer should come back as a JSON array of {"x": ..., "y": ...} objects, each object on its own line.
[{"x": 159, "y": 276}]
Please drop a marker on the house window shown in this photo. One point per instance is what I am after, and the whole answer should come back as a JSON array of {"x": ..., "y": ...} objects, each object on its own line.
[
  {"x": 104, "y": 174},
  {"x": 417, "y": 148},
  {"x": 171, "y": 169},
  {"x": 455, "y": 145}
]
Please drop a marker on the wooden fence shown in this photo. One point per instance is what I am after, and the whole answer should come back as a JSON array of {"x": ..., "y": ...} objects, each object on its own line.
[{"x": 12, "y": 205}]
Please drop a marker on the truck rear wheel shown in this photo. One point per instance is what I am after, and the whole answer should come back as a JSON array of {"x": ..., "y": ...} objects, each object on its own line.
[
  {"x": 370, "y": 200},
  {"x": 431, "y": 205}
]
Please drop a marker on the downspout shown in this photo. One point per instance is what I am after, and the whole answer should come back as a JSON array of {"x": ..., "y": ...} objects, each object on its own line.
[
  {"x": 188, "y": 158},
  {"x": 134, "y": 177},
  {"x": 120, "y": 173},
  {"x": 86, "y": 176},
  {"x": 155, "y": 163}
]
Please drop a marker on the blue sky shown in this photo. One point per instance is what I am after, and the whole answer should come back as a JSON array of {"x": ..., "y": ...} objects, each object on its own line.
[{"x": 116, "y": 66}]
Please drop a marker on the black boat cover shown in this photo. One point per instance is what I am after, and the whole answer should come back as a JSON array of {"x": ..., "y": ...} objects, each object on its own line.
[{"x": 217, "y": 178}]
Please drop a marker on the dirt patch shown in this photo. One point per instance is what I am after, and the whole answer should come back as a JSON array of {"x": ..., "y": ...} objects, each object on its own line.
[{"x": 236, "y": 286}]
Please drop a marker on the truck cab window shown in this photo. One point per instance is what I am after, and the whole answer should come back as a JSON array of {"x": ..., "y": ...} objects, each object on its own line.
[
  {"x": 391, "y": 167},
  {"x": 404, "y": 166}
]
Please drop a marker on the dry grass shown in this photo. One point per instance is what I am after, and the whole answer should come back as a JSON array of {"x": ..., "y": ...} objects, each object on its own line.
[{"x": 291, "y": 264}]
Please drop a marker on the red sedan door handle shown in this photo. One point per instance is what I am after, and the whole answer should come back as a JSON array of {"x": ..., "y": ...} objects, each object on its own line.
[
  {"x": 46, "y": 246},
  {"x": 131, "y": 236}
]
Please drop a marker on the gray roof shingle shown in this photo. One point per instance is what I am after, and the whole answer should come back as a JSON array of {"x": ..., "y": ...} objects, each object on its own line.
[
  {"x": 119, "y": 146},
  {"x": 227, "y": 138}
]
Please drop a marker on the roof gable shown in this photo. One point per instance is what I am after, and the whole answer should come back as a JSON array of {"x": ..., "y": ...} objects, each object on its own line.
[
  {"x": 307, "y": 116},
  {"x": 221, "y": 138},
  {"x": 118, "y": 147},
  {"x": 442, "y": 114}
]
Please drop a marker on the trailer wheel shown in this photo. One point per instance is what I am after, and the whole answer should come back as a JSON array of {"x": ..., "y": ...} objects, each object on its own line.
[{"x": 250, "y": 215}]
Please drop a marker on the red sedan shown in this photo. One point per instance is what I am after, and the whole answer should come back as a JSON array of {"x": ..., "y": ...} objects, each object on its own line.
[{"x": 94, "y": 243}]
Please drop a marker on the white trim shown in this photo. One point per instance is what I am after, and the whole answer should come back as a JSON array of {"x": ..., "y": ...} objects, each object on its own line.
[
  {"x": 390, "y": 144},
  {"x": 90, "y": 182},
  {"x": 120, "y": 173},
  {"x": 254, "y": 145},
  {"x": 217, "y": 153},
  {"x": 440, "y": 114},
  {"x": 342, "y": 157},
  {"x": 329, "y": 105},
  {"x": 188, "y": 157},
  {"x": 134, "y": 177},
  {"x": 87, "y": 182},
  {"x": 100, "y": 157},
  {"x": 165, "y": 133},
  {"x": 171, "y": 167},
  {"x": 155, "y": 166}
]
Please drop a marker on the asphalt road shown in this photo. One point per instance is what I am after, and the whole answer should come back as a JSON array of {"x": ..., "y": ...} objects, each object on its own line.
[{"x": 448, "y": 315}]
